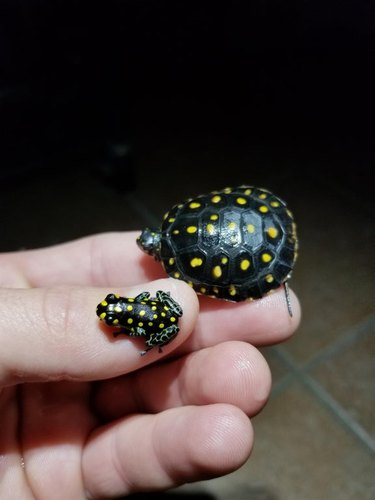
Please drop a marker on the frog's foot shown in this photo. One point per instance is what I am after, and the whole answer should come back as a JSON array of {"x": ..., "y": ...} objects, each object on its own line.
[{"x": 161, "y": 339}]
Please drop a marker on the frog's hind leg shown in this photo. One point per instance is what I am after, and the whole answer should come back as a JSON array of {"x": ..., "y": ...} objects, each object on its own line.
[
  {"x": 161, "y": 339},
  {"x": 167, "y": 300},
  {"x": 142, "y": 296}
]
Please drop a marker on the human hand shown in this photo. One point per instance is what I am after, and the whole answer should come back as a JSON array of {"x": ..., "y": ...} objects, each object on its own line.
[{"x": 84, "y": 415}]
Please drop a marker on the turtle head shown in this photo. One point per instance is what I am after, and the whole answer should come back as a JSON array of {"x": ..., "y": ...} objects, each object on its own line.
[{"x": 149, "y": 242}]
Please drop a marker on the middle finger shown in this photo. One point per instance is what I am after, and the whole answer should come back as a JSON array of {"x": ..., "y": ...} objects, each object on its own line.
[{"x": 231, "y": 372}]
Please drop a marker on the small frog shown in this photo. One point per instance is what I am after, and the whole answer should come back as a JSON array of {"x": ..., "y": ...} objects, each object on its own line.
[{"x": 143, "y": 316}]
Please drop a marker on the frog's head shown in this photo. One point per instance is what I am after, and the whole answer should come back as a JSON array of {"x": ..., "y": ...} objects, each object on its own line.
[
  {"x": 149, "y": 242},
  {"x": 109, "y": 310}
]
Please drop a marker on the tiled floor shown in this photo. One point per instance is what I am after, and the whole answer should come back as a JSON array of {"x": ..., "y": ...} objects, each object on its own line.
[{"x": 315, "y": 438}]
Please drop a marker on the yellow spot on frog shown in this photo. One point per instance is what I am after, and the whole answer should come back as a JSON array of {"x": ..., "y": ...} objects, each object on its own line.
[
  {"x": 115, "y": 322},
  {"x": 150, "y": 323},
  {"x": 196, "y": 262},
  {"x": 241, "y": 201},
  {"x": 103, "y": 315},
  {"x": 272, "y": 232},
  {"x": 104, "y": 303},
  {"x": 216, "y": 198},
  {"x": 245, "y": 264},
  {"x": 118, "y": 309},
  {"x": 142, "y": 312},
  {"x": 210, "y": 228},
  {"x": 163, "y": 314},
  {"x": 172, "y": 319},
  {"x": 140, "y": 323},
  {"x": 214, "y": 216},
  {"x": 266, "y": 257},
  {"x": 250, "y": 228},
  {"x": 155, "y": 316},
  {"x": 166, "y": 308},
  {"x": 130, "y": 300},
  {"x": 263, "y": 209},
  {"x": 130, "y": 321},
  {"x": 269, "y": 278},
  {"x": 194, "y": 204},
  {"x": 217, "y": 272}
]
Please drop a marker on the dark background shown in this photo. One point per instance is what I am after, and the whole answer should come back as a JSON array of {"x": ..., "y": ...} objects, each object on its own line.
[{"x": 276, "y": 77}]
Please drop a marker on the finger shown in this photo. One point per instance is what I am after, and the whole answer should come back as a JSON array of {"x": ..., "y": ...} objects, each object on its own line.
[
  {"x": 232, "y": 372},
  {"x": 110, "y": 259},
  {"x": 173, "y": 447},
  {"x": 54, "y": 334},
  {"x": 261, "y": 322}
]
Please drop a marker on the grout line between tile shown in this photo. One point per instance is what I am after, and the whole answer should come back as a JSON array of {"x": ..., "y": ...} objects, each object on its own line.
[
  {"x": 143, "y": 211},
  {"x": 347, "y": 339},
  {"x": 299, "y": 374}
]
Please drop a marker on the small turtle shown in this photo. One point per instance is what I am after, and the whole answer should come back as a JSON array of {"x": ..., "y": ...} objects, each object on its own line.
[
  {"x": 235, "y": 244},
  {"x": 155, "y": 318}
]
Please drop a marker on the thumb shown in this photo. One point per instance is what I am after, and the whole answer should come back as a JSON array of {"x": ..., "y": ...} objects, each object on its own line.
[{"x": 55, "y": 334}]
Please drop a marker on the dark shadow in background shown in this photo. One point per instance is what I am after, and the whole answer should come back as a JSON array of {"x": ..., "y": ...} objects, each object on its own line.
[{"x": 289, "y": 75}]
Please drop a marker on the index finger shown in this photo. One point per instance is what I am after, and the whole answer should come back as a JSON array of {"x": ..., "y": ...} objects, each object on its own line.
[{"x": 107, "y": 259}]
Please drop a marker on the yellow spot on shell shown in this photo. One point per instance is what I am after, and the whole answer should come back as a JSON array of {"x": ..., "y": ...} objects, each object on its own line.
[
  {"x": 115, "y": 322},
  {"x": 190, "y": 283},
  {"x": 161, "y": 326},
  {"x": 129, "y": 308},
  {"x": 203, "y": 289},
  {"x": 275, "y": 204},
  {"x": 130, "y": 321},
  {"x": 227, "y": 190},
  {"x": 263, "y": 196},
  {"x": 215, "y": 289},
  {"x": 176, "y": 274},
  {"x": 196, "y": 261},
  {"x": 118, "y": 309},
  {"x": 171, "y": 261},
  {"x": 232, "y": 290},
  {"x": 103, "y": 315},
  {"x": 142, "y": 312},
  {"x": 269, "y": 278},
  {"x": 194, "y": 204},
  {"x": 217, "y": 272},
  {"x": 224, "y": 260},
  {"x": 210, "y": 228},
  {"x": 175, "y": 231},
  {"x": 266, "y": 257},
  {"x": 272, "y": 232},
  {"x": 104, "y": 303},
  {"x": 214, "y": 217},
  {"x": 171, "y": 219},
  {"x": 245, "y": 264},
  {"x": 232, "y": 225},
  {"x": 216, "y": 199},
  {"x": 263, "y": 209},
  {"x": 191, "y": 229},
  {"x": 247, "y": 191},
  {"x": 250, "y": 228},
  {"x": 241, "y": 201}
]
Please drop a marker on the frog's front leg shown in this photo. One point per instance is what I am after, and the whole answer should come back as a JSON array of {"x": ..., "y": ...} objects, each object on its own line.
[{"x": 161, "y": 339}]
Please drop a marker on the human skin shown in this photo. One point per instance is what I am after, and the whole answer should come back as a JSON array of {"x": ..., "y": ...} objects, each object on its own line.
[{"x": 83, "y": 415}]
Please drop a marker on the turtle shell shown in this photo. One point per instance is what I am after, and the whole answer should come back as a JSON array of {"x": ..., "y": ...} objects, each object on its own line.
[{"x": 235, "y": 244}]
